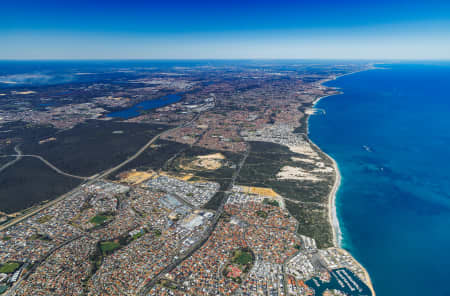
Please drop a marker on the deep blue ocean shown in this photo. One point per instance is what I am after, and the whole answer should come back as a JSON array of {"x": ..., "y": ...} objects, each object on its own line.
[{"x": 390, "y": 134}]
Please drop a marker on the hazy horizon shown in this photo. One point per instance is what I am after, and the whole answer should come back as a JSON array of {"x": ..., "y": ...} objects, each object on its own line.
[{"x": 81, "y": 30}]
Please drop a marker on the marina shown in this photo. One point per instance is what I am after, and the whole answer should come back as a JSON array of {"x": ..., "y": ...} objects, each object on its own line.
[{"x": 342, "y": 280}]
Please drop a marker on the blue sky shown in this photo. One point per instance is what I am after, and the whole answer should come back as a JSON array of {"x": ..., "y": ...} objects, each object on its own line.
[{"x": 224, "y": 29}]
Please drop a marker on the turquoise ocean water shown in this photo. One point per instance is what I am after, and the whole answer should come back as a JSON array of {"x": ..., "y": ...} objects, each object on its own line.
[{"x": 390, "y": 135}]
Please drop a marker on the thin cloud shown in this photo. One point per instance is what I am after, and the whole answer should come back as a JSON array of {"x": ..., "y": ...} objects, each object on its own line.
[{"x": 34, "y": 78}]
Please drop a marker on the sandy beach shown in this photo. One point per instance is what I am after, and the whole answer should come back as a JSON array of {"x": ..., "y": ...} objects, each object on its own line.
[{"x": 332, "y": 213}]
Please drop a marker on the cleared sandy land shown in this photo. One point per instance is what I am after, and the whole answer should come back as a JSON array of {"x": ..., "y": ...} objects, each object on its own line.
[
  {"x": 323, "y": 170},
  {"x": 294, "y": 173},
  {"x": 307, "y": 160},
  {"x": 212, "y": 156},
  {"x": 182, "y": 176},
  {"x": 305, "y": 150},
  {"x": 263, "y": 192},
  {"x": 136, "y": 177},
  {"x": 208, "y": 162}
]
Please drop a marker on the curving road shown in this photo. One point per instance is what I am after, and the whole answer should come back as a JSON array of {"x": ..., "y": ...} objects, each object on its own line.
[
  {"x": 18, "y": 157},
  {"x": 44, "y": 161},
  {"x": 89, "y": 180}
]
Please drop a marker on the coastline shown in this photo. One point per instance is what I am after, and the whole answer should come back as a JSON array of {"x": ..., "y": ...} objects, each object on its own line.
[
  {"x": 366, "y": 274},
  {"x": 332, "y": 211}
]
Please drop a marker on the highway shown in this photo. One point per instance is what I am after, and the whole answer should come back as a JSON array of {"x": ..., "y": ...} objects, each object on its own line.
[{"x": 89, "y": 181}]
